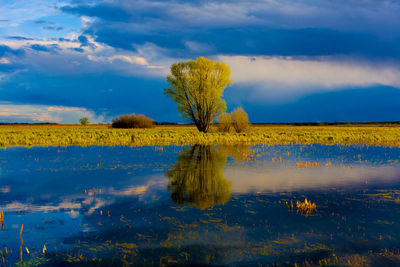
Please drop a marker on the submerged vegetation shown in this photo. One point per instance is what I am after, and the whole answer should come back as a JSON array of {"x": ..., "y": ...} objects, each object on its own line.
[{"x": 65, "y": 135}]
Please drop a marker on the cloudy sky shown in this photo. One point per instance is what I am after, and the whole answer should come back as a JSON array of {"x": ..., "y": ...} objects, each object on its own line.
[{"x": 291, "y": 60}]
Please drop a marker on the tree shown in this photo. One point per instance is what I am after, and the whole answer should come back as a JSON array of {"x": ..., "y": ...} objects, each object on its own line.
[
  {"x": 84, "y": 120},
  {"x": 197, "y": 86}
]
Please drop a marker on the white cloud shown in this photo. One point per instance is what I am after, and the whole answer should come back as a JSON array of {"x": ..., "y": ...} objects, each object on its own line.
[
  {"x": 17, "y": 206},
  {"x": 290, "y": 179},
  {"x": 155, "y": 183},
  {"x": 97, "y": 57},
  {"x": 285, "y": 75},
  {"x": 42, "y": 113},
  {"x": 198, "y": 47},
  {"x": 130, "y": 59},
  {"x": 4, "y": 60},
  {"x": 373, "y": 16}
]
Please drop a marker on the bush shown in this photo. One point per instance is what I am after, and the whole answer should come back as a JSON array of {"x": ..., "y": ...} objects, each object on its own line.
[
  {"x": 237, "y": 119},
  {"x": 240, "y": 120},
  {"x": 132, "y": 121},
  {"x": 224, "y": 122}
]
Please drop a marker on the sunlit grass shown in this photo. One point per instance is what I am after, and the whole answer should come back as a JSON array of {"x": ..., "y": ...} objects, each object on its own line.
[{"x": 65, "y": 135}]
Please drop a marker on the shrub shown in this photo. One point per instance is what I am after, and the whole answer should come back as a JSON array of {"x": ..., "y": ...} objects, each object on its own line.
[
  {"x": 224, "y": 122},
  {"x": 144, "y": 122},
  {"x": 240, "y": 120},
  {"x": 132, "y": 121}
]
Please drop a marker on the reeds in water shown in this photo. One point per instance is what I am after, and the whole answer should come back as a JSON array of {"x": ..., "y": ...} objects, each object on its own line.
[{"x": 306, "y": 207}]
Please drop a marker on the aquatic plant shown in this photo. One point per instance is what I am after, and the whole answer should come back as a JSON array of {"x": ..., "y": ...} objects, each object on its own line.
[{"x": 306, "y": 207}]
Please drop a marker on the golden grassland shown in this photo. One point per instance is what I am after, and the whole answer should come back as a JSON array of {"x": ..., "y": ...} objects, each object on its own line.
[{"x": 66, "y": 135}]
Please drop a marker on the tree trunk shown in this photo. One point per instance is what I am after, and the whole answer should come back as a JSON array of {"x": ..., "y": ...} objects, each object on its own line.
[{"x": 201, "y": 127}]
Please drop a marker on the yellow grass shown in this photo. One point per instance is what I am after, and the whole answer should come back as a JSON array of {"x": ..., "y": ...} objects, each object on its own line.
[{"x": 65, "y": 135}]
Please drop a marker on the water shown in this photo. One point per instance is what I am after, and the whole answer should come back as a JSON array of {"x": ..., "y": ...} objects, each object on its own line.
[{"x": 200, "y": 205}]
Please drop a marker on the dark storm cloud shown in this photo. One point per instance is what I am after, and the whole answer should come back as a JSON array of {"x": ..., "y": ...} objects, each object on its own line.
[
  {"x": 40, "y": 48},
  {"x": 45, "y": 48},
  {"x": 256, "y": 41},
  {"x": 374, "y": 104},
  {"x": 4, "y": 50},
  {"x": 103, "y": 11},
  {"x": 296, "y": 28},
  {"x": 19, "y": 38}
]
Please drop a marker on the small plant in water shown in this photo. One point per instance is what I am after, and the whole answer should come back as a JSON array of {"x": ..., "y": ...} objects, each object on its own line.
[{"x": 306, "y": 207}]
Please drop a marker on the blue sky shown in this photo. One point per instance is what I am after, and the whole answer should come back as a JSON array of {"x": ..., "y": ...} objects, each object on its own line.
[{"x": 291, "y": 60}]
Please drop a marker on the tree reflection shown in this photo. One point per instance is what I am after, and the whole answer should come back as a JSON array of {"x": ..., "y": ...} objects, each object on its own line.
[{"x": 197, "y": 177}]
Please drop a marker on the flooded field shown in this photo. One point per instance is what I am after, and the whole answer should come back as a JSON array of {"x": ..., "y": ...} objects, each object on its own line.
[{"x": 201, "y": 205}]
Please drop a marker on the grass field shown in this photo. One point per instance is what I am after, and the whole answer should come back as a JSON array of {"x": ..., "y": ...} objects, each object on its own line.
[{"x": 65, "y": 135}]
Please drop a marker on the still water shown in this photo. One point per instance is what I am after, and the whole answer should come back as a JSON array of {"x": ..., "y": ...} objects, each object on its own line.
[{"x": 200, "y": 205}]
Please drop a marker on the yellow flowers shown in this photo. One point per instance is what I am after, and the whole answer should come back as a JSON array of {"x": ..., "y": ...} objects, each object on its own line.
[
  {"x": 66, "y": 135},
  {"x": 306, "y": 207}
]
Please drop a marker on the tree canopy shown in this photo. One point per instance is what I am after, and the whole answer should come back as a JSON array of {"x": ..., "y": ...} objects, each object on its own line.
[{"x": 197, "y": 87}]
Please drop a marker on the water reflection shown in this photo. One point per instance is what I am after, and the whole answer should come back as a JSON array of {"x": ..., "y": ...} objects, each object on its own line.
[
  {"x": 112, "y": 205},
  {"x": 197, "y": 177}
]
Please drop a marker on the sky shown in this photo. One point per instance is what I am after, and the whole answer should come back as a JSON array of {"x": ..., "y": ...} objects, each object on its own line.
[{"x": 291, "y": 60}]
